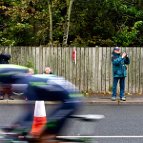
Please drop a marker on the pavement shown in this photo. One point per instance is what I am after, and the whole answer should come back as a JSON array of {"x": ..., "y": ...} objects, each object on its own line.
[{"x": 93, "y": 99}]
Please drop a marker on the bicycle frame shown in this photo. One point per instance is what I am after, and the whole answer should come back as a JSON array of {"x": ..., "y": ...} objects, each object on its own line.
[{"x": 13, "y": 137}]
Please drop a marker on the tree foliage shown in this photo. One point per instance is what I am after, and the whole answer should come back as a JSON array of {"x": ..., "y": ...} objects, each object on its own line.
[{"x": 91, "y": 22}]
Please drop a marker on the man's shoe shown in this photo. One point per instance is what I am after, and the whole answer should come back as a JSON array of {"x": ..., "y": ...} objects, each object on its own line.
[
  {"x": 1, "y": 97},
  {"x": 123, "y": 99},
  {"x": 10, "y": 98},
  {"x": 113, "y": 98}
]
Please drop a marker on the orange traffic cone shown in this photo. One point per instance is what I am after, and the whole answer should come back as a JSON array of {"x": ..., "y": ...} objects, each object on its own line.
[{"x": 39, "y": 118}]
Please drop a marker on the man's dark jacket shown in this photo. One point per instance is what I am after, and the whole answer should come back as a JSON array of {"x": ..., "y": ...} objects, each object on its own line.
[{"x": 119, "y": 65}]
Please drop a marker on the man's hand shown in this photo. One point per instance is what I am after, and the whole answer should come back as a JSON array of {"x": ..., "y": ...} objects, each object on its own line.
[{"x": 124, "y": 55}]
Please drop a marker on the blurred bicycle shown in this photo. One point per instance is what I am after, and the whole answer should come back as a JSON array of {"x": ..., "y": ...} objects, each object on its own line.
[{"x": 43, "y": 88}]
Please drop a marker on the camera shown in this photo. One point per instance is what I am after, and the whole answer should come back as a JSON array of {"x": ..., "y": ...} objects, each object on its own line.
[{"x": 126, "y": 54}]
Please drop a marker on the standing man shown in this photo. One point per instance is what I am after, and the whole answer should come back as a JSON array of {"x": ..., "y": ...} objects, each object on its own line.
[
  {"x": 119, "y": 62},
  {"x": 5, "y": 88}
]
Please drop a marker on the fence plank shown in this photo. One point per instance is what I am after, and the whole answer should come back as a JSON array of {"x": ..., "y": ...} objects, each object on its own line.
[
  {"x": 97, "y": 82},
  {"x": 90, "y": 73},
  {"x": 94, "y": 82},
  {"x": 103, "y": 75},
  {"x": 141, "y": 68},
  {"x": 108, "y": 69},
  {"x": 100, "y": 70}
]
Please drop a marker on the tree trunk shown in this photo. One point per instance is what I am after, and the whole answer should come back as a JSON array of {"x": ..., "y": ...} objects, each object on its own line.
[
  {"x": 67, "y": 23},
  {"x": 51, "y": 22}
]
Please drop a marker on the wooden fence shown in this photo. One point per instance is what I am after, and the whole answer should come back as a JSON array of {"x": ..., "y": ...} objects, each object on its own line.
[{"x": 92, "y": 71}]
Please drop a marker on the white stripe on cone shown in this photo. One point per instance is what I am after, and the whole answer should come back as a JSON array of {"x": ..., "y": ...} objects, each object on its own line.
[{"x": 39, "y": 109}]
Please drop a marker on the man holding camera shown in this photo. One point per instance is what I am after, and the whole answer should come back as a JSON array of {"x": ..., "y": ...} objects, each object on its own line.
[{"x": 119, "y": 62}]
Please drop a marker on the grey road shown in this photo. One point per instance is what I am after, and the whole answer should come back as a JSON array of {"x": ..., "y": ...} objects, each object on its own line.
[{"x": 122, "y": 123}]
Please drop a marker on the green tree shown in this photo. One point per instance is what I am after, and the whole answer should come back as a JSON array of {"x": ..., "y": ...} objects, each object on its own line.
[
  {"x": 75, "y": 23},
  {"x": 126, "y": 36}
]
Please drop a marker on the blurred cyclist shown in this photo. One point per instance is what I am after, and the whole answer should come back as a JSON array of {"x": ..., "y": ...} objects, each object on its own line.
[{"x": 47, "y": 88}]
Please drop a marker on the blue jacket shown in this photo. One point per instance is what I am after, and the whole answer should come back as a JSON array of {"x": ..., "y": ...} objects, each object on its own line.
[{"x": 119, "y": 65}]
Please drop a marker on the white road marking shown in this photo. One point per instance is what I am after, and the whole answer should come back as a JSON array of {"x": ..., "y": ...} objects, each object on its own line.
[{"x": 128, "y": 136}]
